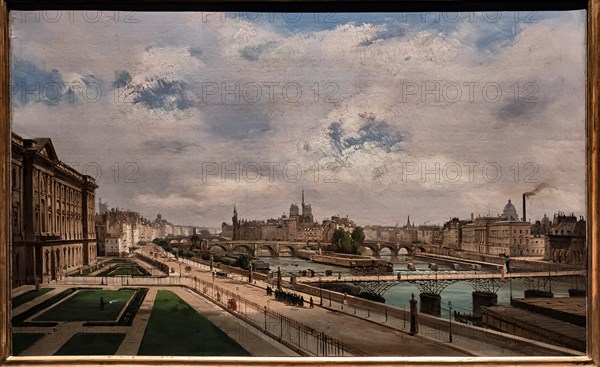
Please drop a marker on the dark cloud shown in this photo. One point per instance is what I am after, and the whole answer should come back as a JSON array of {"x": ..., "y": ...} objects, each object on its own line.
[
  {"x": 122, "y": 79},
  {"x": 168, "y": 146},
  {"x": 162, "y": 94},
  {"x": 32, "y": 84},
  {"x": 237, "y": 122},
  {"x": 195, "y": 52},
  {"x": 335, "y": 132},
  {"x": 521, "y": 111},
  {"x": 253, "y": 53}
]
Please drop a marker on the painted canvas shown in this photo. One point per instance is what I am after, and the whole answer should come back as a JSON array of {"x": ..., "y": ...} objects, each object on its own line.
[{"x": 298, "y": 184}]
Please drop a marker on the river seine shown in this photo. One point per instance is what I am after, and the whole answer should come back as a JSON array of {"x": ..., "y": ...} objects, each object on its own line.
[{"x": 459, "y": 293}]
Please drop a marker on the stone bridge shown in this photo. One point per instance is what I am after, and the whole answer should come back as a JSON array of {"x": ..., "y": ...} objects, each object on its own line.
[
  {"x": 411, "y": 248},
  {"x": 253, "y": 248}
]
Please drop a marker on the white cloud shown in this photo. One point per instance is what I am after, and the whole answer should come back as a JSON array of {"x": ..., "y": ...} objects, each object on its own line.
[{"x": 346, "y": 72}]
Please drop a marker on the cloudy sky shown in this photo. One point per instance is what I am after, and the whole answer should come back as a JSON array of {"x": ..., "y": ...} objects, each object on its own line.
[{"x": 375, "y": 116}]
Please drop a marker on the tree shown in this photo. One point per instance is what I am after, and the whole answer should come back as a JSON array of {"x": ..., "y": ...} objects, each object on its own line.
[
  {"x": 346, "y": 245},
  {"x": 358, "y": 238},
  {"x": 243, "y": 261},
  {"x": 343, "y": 242},
  {"x": 338, "y": 234},
  {"x": 204, "y": 232},
  {"x": 358, "y": 235}
]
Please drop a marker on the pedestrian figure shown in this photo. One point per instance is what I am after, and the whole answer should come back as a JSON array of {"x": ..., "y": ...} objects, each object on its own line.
[
  {"x": 102, "y": 303},
  {"x": 312, "y": 305}
]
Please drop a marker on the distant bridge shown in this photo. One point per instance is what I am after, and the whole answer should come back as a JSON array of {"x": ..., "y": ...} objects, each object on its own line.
[
  {"x": 435, "y": 283},
  {"x": 418, "y": 276},
  {"x": 395, "y": 247},
  {"x": 224, "y": 245}
]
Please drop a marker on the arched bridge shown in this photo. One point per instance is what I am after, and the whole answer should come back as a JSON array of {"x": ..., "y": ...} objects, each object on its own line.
[
  {"x": 254, "y": 248},
  {"x": 411, "y": 248}
]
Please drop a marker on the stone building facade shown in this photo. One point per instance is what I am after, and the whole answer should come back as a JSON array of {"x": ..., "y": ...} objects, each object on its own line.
[
  {"x": 501, "y": 235},
  {"x": 119, "y": 230},
  {"x": 53, "y": 209},
  {"x": 452, "y": 232},
  {"x": 567, "y": 240}
]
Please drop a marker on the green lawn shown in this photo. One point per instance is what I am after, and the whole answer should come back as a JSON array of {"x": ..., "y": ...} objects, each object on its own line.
[
  {"x": 124, "y": 267},
  {"x": 85, "y": 306},
  {"x": 175, "y": 328},
  {"x": 22, "y": 341},
  {"x": 128, "y": 270},
  {"x": 83, "y": 344},
  {"x": 28, "y": 296}
]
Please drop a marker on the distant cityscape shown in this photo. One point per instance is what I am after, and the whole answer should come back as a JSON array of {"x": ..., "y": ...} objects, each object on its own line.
[{"x": 56, "y": 228}]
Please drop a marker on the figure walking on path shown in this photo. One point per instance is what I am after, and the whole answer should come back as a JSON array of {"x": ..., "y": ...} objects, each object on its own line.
[{"x": 312, "y": 305}]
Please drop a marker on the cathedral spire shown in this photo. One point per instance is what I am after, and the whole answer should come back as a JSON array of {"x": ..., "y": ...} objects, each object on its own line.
[{"x": 408, "y": 222}]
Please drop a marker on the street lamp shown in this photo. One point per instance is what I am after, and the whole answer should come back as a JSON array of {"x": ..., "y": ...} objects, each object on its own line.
[
  {"x": 320, "y": 293},
  {"x": 266, "y": 318},
  {"x": 266, "y": 308},
  {"x": 450, "y": 317}
]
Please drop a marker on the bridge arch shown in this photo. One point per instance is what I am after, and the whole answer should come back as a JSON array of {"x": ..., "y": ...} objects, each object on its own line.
[
  {"x": 368, "y": 251},
  {"x": 272, "y": 252},
  {"x": 415, "y": 248},
  {"x": 217, "y": 248},
  {"x": 393, "y": 249},
  {"x": 291, "y": 248},
  {"x": 247, "y": 249},
  {"x": 373, "y": 247},
  {"x": 386, "y": 251}
]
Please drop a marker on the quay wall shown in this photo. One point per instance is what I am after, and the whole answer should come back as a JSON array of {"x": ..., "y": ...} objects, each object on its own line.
[
  {"x": 348, "y": 262},
  {"x": 469, "y": 331}
]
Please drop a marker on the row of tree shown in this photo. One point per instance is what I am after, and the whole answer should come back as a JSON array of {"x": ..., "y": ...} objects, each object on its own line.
[{"x": 167, "y": 247}]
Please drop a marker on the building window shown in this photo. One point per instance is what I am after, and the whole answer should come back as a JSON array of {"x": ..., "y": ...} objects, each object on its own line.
[{"x": 13, "y": 178}]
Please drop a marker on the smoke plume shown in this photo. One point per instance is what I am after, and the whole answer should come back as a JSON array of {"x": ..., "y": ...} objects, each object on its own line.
[{"x": 540, "y": 187}]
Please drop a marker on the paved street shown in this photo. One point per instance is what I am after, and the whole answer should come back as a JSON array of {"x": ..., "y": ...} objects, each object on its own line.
[{"x": 371, "y": 338}]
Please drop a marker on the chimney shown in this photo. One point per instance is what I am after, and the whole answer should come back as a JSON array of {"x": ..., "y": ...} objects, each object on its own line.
[{"x": 524, "y": 209}]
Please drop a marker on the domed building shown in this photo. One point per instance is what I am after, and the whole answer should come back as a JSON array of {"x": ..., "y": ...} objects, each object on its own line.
[{"x": 509, "y": 212}]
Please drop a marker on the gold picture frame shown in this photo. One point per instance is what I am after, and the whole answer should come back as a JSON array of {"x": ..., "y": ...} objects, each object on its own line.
[{"x": 592, "y": 187}]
